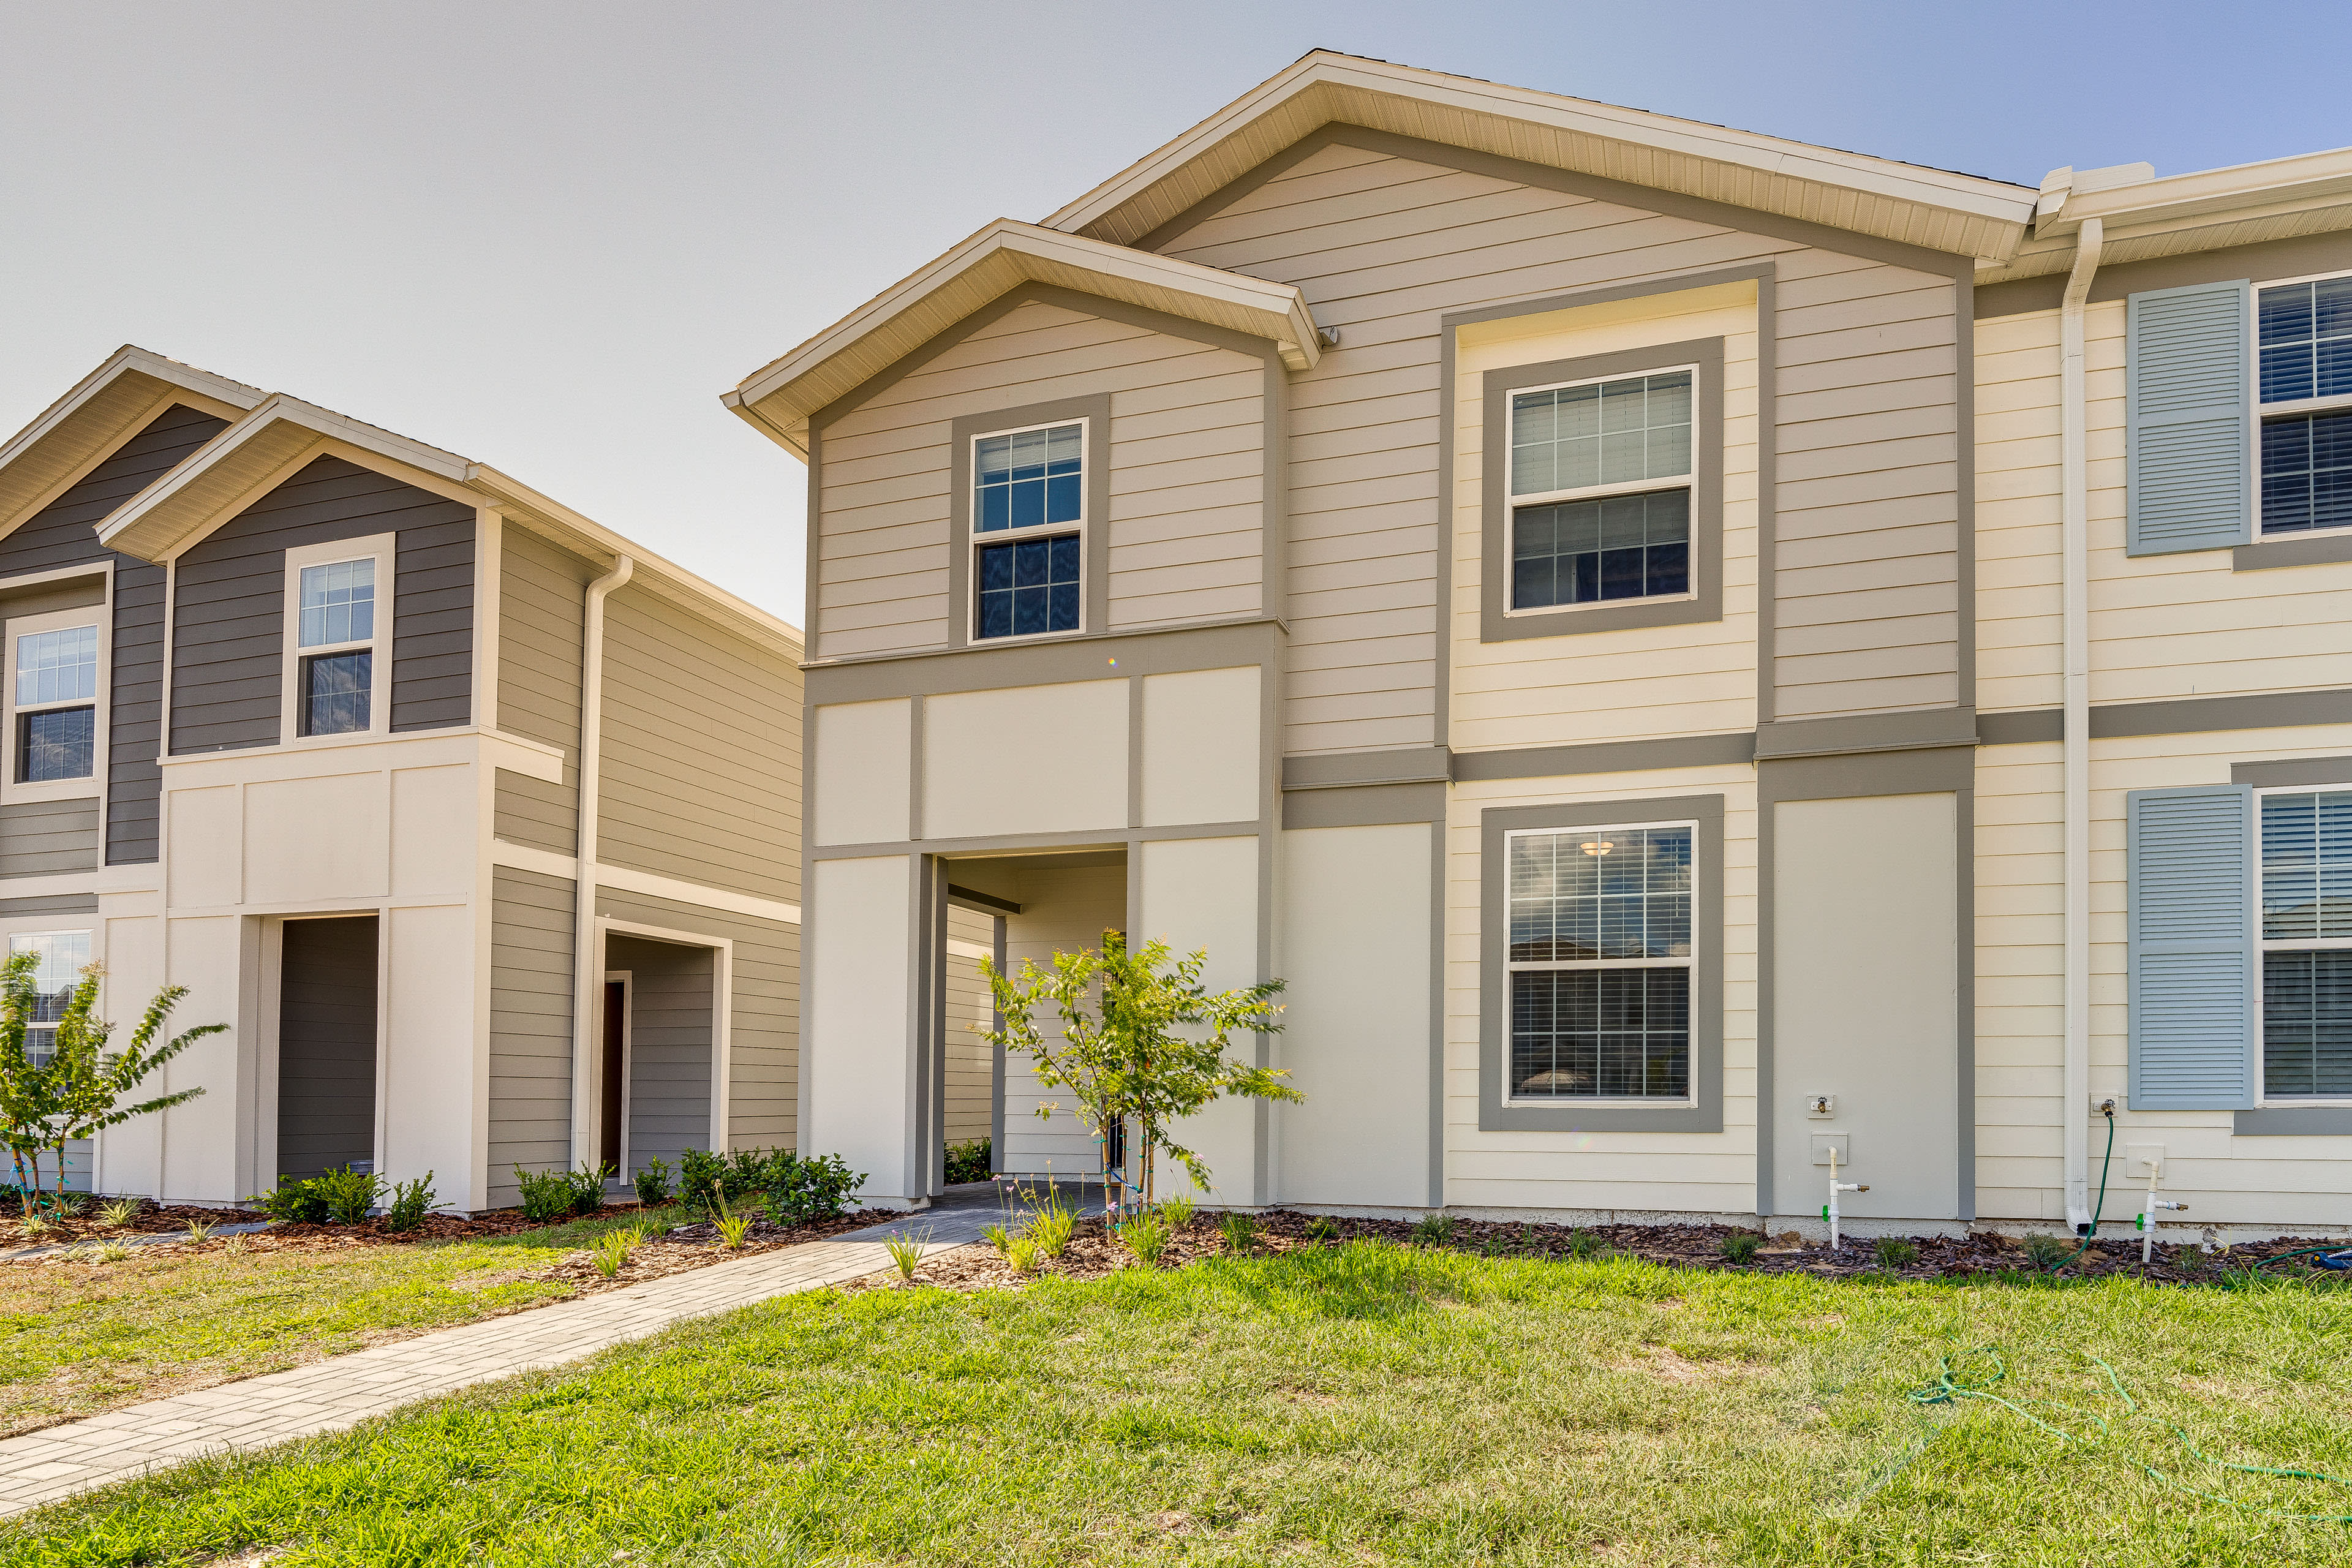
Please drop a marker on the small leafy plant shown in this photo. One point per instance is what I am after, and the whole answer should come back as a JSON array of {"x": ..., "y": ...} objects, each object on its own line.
[
  {"x": 653, "y": 1183},
  {"x": 1022, "y": 1253},
  {"x": 999, "y": 1237},
  {"x": 1895, "y": 1252},
  {"x": 1051, "y": 1230},
  {"x": 120, "y": 1212},
  {"x": 546, "y": 1194},
  {"x": 586, "y": 1186},
  {"x": 907, "y": 1252},
  {"x": 233, "y": 1246},
  {"x": 968, "y": 1161},
  {"x": 73, "y": 1205},
  {"x": 612, "y": 1254},
  {"x": 2047, "y": 1252},
  {"x": 1740, "y": 1247},
  {"x": 1240, "y": 1232},
  {"x": 702, "y": 1177},
  {"x": 1322, "y": 1227},
  {"x": 107, "y": 1251},
  {"x": 815, "y": 1189},
  {"x": 292, "y": 1202},
  {"x": 348, "y": 1196},
  {"x": 1146, "y": 1235},
  {"x": 1584, "y": 1244},
  {"x": 199, "y": 1229},
  {"x": 411, "y": 1202},
  {"x": 1432, "y": 1230},
  {"x": 1177, "y": 1212},
  {"x": 732, "y": 1227}
]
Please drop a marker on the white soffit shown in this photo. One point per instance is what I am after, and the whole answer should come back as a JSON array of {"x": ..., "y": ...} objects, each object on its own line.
[
  {"x": 780, "y": 398},
  {"x": 103, "y": 408},
  {"x": 1966, "y": 214}
]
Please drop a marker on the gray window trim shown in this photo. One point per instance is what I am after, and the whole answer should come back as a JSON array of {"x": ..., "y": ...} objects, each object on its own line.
[
  {"x": 2328, "y": 1115},
  {"x": 2291, "y": 549},
  {"x": 1707, "y": 497},
  {"x": 1707, "y": 991},
  {"x": 1094, "y": 527}
]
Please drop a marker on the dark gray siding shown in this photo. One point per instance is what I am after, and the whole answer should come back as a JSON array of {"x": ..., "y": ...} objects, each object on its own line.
[
  {"x": 530, "y": 1027},
  {"x": 326, "y": 1046},
  {"x": 228, "y": 624},
  {"x": 65, "y": 533},
  {"x": 670, "y": 1049},
  {"x": 43, "y": 837}
]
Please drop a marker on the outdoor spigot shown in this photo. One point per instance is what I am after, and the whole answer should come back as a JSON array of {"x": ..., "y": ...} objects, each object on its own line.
[
  {"x": 1829, "y": 1209},
  {"x": 2147, "y": 1221}
]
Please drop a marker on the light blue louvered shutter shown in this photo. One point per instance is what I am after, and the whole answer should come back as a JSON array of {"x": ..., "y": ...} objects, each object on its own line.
[
  {"x": 2194, "y": 987},
  {"x": 2189, "y": 417}
]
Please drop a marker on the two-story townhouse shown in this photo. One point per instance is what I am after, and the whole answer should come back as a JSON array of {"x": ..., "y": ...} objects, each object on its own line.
[
  {"x": 1691, "y": 652},
  {"x": 477, "y": 822}
]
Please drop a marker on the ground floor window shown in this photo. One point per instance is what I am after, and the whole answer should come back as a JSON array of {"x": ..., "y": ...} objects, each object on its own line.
[
  {"x": 1600, "y": 955},
  {"x": 2306, "y": 935},
  {"x": 64, "y": 955}
]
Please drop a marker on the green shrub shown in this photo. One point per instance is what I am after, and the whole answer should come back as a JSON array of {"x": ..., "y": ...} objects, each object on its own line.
[
  {"x": 702, "y": 1178},
  {"x": 1177, "y": 1212},
  {"x": 1584, "y": 1243},
  {"x": 2049, "y": 1252},
  {"x": 968, "y": 1161},
  {"x": 653, "y": 1184},
  {"x": 410, "y": 1202},
  {"x": 1240, "y": 1232},
  {"x": 350, "y": 1195},
  {"x": 546, "y": 1194},
  {"x": 586, "y": 1186},
  {"x": 1895, "y": 1252},
  {"x": 1432, "y": 1229},
  {"x": 1146, "y": 1235},
  {"x": 1322, "y": 1227},
  {"x": 815, "y": 1189},
  {"x": 292, "y": 1202},
  {"x": 1740, "y": 1247}
]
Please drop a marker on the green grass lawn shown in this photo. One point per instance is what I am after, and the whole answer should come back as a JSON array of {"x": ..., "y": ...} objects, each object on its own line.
[
  {"x": 1360, "y": 1405},
  {"x": 80, "y": 1337}
]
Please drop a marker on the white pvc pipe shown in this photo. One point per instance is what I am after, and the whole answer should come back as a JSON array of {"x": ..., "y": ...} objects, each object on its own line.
[
  {"x": 587, "y": 961},
  {"x": 2074, "y": 571}
]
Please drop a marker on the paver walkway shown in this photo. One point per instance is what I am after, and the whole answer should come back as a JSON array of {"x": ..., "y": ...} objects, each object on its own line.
[{"x": 342, "y": 1391}]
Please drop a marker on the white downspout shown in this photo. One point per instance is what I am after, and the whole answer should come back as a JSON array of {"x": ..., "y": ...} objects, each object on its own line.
[
  {"x": 587, "y": 969},
  {"x": 2074, "y": 571}
]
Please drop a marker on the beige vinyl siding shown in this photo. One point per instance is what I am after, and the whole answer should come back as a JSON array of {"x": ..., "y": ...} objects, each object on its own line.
[
  {"x": 540, "y": 593},
  {"x": 1384, "y": 245},
  {"x": 2282, "y": 1182},
  {"x": 1634, "y": 1172},
  {"x": 1186, "y": 476},
  {"x": 764, "y": 1007},
  {"x": 2161, "y": 626},
  {"x": 43, "y": 837},
  {"x": 700, "y": 776},
  {"x": 1584, "y": 687},
  {"x": 971, "y": 1081},
  {"x": 530, "y": 1027}
]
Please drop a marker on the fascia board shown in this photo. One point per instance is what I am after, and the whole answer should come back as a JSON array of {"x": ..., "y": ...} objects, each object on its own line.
[
  {"x": 1973, "y": 196},
  {"x": 2313, "y": 179}
]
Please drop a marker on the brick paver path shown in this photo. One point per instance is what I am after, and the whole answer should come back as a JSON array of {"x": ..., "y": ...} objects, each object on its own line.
[{"x": 342, "y": 1391}]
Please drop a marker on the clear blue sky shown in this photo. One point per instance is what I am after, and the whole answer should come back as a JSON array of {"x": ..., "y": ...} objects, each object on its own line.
[{"x": 547, "y": 235}]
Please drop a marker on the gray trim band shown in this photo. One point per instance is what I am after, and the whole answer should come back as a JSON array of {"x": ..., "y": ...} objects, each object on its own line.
[
  {"x": 1080, "y": 839},
  {"x": 2296, "y": 257},
  {"x": 1847, "y": 733},
  {"x": 1941, "y": 771},
  {"x": 2294, "y": 1121},
  {"x": 2319, "y": 549},
  {"x": 1094, "y": 523},
  {"x": 1603, "y": 757},
  {"x": 1495, "y": 623},
  {"x": 1369, "y": 806},
  {"x": 2298, "y": 771},
  {"x": 1343, "y": 770},
  {"x": 2177, "y": 716},
  {"x": 1495, "y": 1115},
  {"x": 984, "y": 903},
  {"x": 1168, "y": 650}
]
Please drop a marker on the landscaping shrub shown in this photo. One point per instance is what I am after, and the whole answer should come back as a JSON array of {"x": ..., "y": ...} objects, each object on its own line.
[
  {"x": 1432, "y": 1229},
  {"x": 1894, "y": 1252},
  {"x": 969, "y": 1162},
  {"x": 546, "y": 1194},
  {"x": 1322, "y": 1227},
  {"x": 1241, "y": 1232},
  {"x": 702, "y": 1177},
  {"x": 1177, "y": 1212},
  {"x": 348, "y": 1196},
  {"x": 1741, "y": 1246},
  {"x": 1146, "y": 1235},
  {"x": 587, "y": 1186},
  {"x": 653, "y": 1184},
  {"x": 2047, "y": 1252},
  {"x": 815, "y": 1189},
  {"x": 1584, "y": 1243},
  {"x": 410, "y": 1202},
  {"x": 293, "y": 1202}
]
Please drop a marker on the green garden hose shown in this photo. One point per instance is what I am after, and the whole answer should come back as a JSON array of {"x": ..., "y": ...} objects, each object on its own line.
[
  {"x": 1950, "y": 1389},
  {"x": 2091, "y": 1235}
]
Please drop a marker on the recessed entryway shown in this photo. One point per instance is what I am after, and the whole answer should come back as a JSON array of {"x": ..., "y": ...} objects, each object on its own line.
[{"x": 326, "y": 1045}]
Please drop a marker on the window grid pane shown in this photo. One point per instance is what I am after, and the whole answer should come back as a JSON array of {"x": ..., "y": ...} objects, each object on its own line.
[
  {"x": 1027, "y": 480},
  {"x": 335, "y": 693},
  {"x": 1591, "y": 551},
  {"x": 56, "y": 743},
  {"x": 57, "y": 667},
  {"x": 1601, "y": 1033},
  {"x": 2307, "y": 1024},
  {"x": 2307, "y": 473},
  {"x": 338, "y": 603},
  {"x": 2306, "y": 339},
  {"x": 1028, "y": 587},
  {"x": 64, "y": 955},
  {"x": 1606, "y": 433},
  {"x": 2307, "y": 866}
]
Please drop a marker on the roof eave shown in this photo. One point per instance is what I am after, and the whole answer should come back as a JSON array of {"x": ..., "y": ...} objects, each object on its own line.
[{"x": 93, "y": 415}]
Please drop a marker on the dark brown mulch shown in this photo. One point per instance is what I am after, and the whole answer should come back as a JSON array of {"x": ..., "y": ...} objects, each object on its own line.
[{"x": 1093, "y": 1255}]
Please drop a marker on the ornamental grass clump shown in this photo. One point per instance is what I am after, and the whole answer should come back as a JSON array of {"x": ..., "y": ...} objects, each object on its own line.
[
  {"x": 1177, "y": 1212},
  {"x": 1323, "y": 1227},
  {"x": 199, "y": 1230},
  {"x": 907, "y": 1253},
  {"x": 1432, "y": 1229},
  {"x": 1240, "y": 1232},
  {"x": 1051, "y": 1230},
  {"x": 1022, "y": 1253},
  {"x": 120, "y": 1213},
  {"x": 1146, "y": 1237},
  {"x": 2048, "y": 1252},
  {"x": 1894, "y": 1252},
  {"x": 1740, "y": 1247}
]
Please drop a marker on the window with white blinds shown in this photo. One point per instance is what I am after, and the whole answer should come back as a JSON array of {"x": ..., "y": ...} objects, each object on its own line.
[{"x": 2306, "y": 932}]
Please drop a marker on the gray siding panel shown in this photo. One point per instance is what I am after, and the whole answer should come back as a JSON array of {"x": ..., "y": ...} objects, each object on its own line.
[
  {"x": 765, "y": 1007},
  {"x": 44, "y": 838},
  {"x": 228, "y": 621},
  {"x": 669, "y": 1046},
  {"x": 530, "y": 1027},
  {"x": 540, "y": 589},
  {"x": 65, "y": 533}
]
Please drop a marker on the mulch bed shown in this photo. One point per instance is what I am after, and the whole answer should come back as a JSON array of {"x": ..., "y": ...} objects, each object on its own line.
[{"x": 1092, "y": 1255}]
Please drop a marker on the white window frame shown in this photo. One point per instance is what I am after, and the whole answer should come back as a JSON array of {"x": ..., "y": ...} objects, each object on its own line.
[
  {"x": 1687, "y": 962},
  {"x": 2288, "y": 409},
  {"x": 382, "y": 548},
  {"x": 2263, "y": 946},
  {"x": 1513, "y": 501},
  {"x": 85, "y": 932},
  {"x": 979, "y": 540},
  {"x": 12, "y": 745}
]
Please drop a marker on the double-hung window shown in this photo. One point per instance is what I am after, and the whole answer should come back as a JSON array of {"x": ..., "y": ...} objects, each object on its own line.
[
  {"x": 2306, "y": 931},
  {"x": 2305, "y": 372},
  {"x": 1599, "y": 958},
  {"x": 1028, "y": 512},
  {"x": 1601, "y": 481},
  {"x": 64, "y": 954},
  {"x": 55, "y": 679},
  {"x": 337, "y": 618}
]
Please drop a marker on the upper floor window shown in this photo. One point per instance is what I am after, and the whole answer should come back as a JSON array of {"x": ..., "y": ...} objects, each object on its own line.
[
  {"x": 1600, "y": 957},
  {"x": 1028, "y": 509},
  {"x": 337, "y": 664},
  {"x": 2304, "y": 360},
  {"x": 54, "y": 695},
  {"x": 64, "y": 955},
  {"x": 2306, "y": 931},
  {"x": 1601, "y": 477}
]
